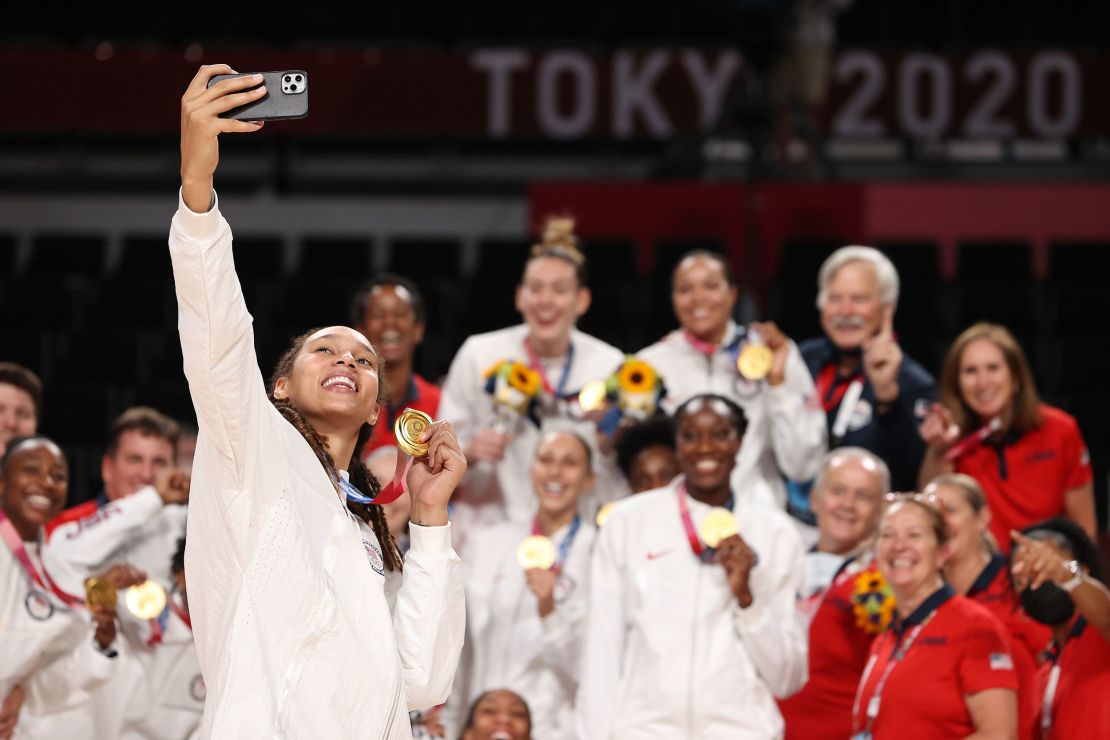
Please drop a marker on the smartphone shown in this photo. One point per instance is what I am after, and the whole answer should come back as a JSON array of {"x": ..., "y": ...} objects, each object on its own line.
[{"x": 286, "y": 97}]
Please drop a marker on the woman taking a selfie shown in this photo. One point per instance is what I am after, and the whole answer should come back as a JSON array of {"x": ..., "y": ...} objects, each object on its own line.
[{"x": 304, "y": 624}]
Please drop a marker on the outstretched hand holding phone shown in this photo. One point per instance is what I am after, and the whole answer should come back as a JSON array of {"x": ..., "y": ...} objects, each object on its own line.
[{"x": 201, "y": 107}]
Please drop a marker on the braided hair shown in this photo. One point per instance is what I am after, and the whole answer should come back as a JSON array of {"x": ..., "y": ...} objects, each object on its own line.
[{"x": 361, "y": 477}]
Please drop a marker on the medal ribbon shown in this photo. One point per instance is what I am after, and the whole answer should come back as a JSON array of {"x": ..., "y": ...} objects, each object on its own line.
[
  {"x": 564, "y": 546},
  {"x": 181, "y": 613},
  {"x": 158, "y": 627},
  {"x": 971, "y": 441},
  {"x": 44, "y": 581},
  {"x": 696, "y": 545},
  {"x": 897, "y": 656},
  {"x": 389, "y": 494},
  {"x": 708, "y": 348},
  {"x": 535, "y": 363}
]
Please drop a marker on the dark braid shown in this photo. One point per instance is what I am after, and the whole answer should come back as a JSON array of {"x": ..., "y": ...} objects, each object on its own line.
[{"x": 361, "y": 477}]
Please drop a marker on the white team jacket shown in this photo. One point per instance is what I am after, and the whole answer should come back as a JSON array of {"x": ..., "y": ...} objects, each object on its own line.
[
  {"x": 668, "y": 651},
  {"x": 295, "y": 632},
  {"x": 785, "y": 436},
  {"x": 47, "y": 648},
  {"x": 508, "y": 644},
  {"x": 137, "y": 529},
  {"x": 504, "y": 490}
]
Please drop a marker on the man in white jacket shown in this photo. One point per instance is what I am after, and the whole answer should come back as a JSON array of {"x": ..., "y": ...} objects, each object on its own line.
[
  {"x": 305, "y": 626},
  {"x": 683, "y": 641},
  {"x": 140, "y": 516}
]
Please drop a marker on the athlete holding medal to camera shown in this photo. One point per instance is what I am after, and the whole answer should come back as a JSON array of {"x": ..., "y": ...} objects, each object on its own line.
[{"x": 304, "y": 624}]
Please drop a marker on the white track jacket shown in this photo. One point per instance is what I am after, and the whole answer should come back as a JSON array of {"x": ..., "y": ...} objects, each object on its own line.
[
  {"x": 299, "y": 632},
  {"x": 48, "y": 649},
  {"x": 669, "y": 653},
  {"x": 509, "y": 644},
  {"x": 786, "y": 427}
]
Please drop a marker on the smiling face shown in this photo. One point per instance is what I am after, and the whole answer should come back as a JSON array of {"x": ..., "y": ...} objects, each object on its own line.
[
  {"x": 702, "y": 297},
  {"x": 390, "y": 323},
  {"x": 136, "y": 462},
  {"x": 560, "y": 473},
  {"x": 17, "y": 414},
  {"x": 986, "y": 384},
  {"x": 333, "y": 380},
  {"x": 706, "y": 443},
  {"x": 853, "y": 307},
  {"x": 550, "y": 299},
  {"x": 654, "y": 467},
  {"x": 499, "y": 715},
  {"x": 908, "y": 553},
  {"x": 33, "y": 485},
  {"x": 966, "y": 529},
  {"x": 847, "y": 503}
]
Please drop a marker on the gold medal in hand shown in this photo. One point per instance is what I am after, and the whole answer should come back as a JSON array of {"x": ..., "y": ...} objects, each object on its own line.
[
  {"x": 536, "y": 551},
  {"x": 719, "y": 524},
  {"x": 99, "y": 592},
  {"x": 147, "y": 600},
  {"x": 754, "y": 361},
  {"x": 408, "y": 428}
]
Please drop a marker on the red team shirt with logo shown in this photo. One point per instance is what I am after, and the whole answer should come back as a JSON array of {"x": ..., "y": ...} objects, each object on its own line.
[
  {"x": 962, "y": 650},
  {"x": 838, "y": 650},
  {"x": 1081, "y": 704},
  {"x": 1025, "y": 481}
]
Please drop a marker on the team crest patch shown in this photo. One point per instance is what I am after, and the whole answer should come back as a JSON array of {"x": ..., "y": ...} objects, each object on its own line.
[
  {"x": 564, "y": 587},
  {"x": 374, "y": 555},
  {"x": 38, "y": 606},
  {"x": 197, "y": 689}
]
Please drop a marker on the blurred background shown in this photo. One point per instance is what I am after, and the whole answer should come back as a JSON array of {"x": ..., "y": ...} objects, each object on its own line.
[{"x": 969, "y": 141}]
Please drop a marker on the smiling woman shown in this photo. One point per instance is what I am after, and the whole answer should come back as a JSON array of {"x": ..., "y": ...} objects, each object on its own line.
[
  {"x": 296, "y": 594},
  {"x": 706, "y": 617}
]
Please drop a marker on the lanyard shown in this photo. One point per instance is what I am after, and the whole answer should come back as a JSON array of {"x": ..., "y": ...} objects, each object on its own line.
[
  {"x": 537, "y": 365},
  {"x": 44, "y": 581},
  {"x": 564, "y": 546},
  {"x": 897, "y": 656},
  {"x": 831, "y": 388},
  {"x": 697, "y": 547},
  {"x": 1054, "y": 654},
  {"x": 181, "y": 613},
  {"x": 973, "y": 440}
]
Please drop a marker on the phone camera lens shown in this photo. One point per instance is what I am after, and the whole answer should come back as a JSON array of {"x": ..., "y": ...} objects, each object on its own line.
[{"x": 297, "y": 78}]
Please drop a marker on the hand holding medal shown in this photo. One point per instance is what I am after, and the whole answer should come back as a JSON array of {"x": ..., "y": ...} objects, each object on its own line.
[
  {"x": 737, "y": 559},
  {"x": 763, "y": 355},
  {"x": 441, "y": 468}
]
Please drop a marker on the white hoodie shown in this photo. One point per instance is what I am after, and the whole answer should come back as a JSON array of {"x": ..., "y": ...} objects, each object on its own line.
[
  {"x": 296, "y": 634},
  {"x": 669, "y": 653}
]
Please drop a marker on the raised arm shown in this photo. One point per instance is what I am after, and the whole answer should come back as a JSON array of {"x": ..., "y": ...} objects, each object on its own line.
[{"x": 217, "y": 338}]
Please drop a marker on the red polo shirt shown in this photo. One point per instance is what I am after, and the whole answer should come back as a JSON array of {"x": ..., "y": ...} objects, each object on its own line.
[
  {"x": 1028, "y": 638},
  {"x": 960, "y": 649},
  {"x": 1025, "y": 479},
  {"x": 420, "y": 395},
  {"x": 838, "y": 649},
  {"x": 1081, "y": 702}
]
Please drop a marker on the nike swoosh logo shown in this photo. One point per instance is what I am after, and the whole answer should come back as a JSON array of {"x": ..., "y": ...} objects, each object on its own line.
[{"x": 657, "y": 555}]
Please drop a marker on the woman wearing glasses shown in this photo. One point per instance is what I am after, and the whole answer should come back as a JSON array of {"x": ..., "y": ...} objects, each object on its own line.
[{"x": 944, "y": 668}]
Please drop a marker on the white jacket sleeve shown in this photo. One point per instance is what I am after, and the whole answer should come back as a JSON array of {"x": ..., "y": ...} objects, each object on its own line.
[
  {"x": 429, "y": 616},
  {"x": 217, "y": 336},
  {"x": 67, "y": 682},
  {"x": 602, "y": 653},
  {"x": 83, "y": 546},
  {"x": 773, "y": 633},
  {"x": 798, "y": 434}
]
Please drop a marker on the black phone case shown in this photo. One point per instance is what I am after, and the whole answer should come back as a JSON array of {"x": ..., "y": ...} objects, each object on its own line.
[{"x": 276, "y": 104}]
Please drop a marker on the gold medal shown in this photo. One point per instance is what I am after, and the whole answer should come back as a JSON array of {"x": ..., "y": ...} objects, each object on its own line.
[
  {"x": 604, "y": 512},
  {"x": 592, "y": 396},
  {"x": 719, "y": 524},
  {"x": 754, "y": 361},
  {"x": 536, "y": 551},
  {"x": 147, "y": 600},
  {"x": 408, "y": 428},
  {"x": 99, "y": 592}
]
